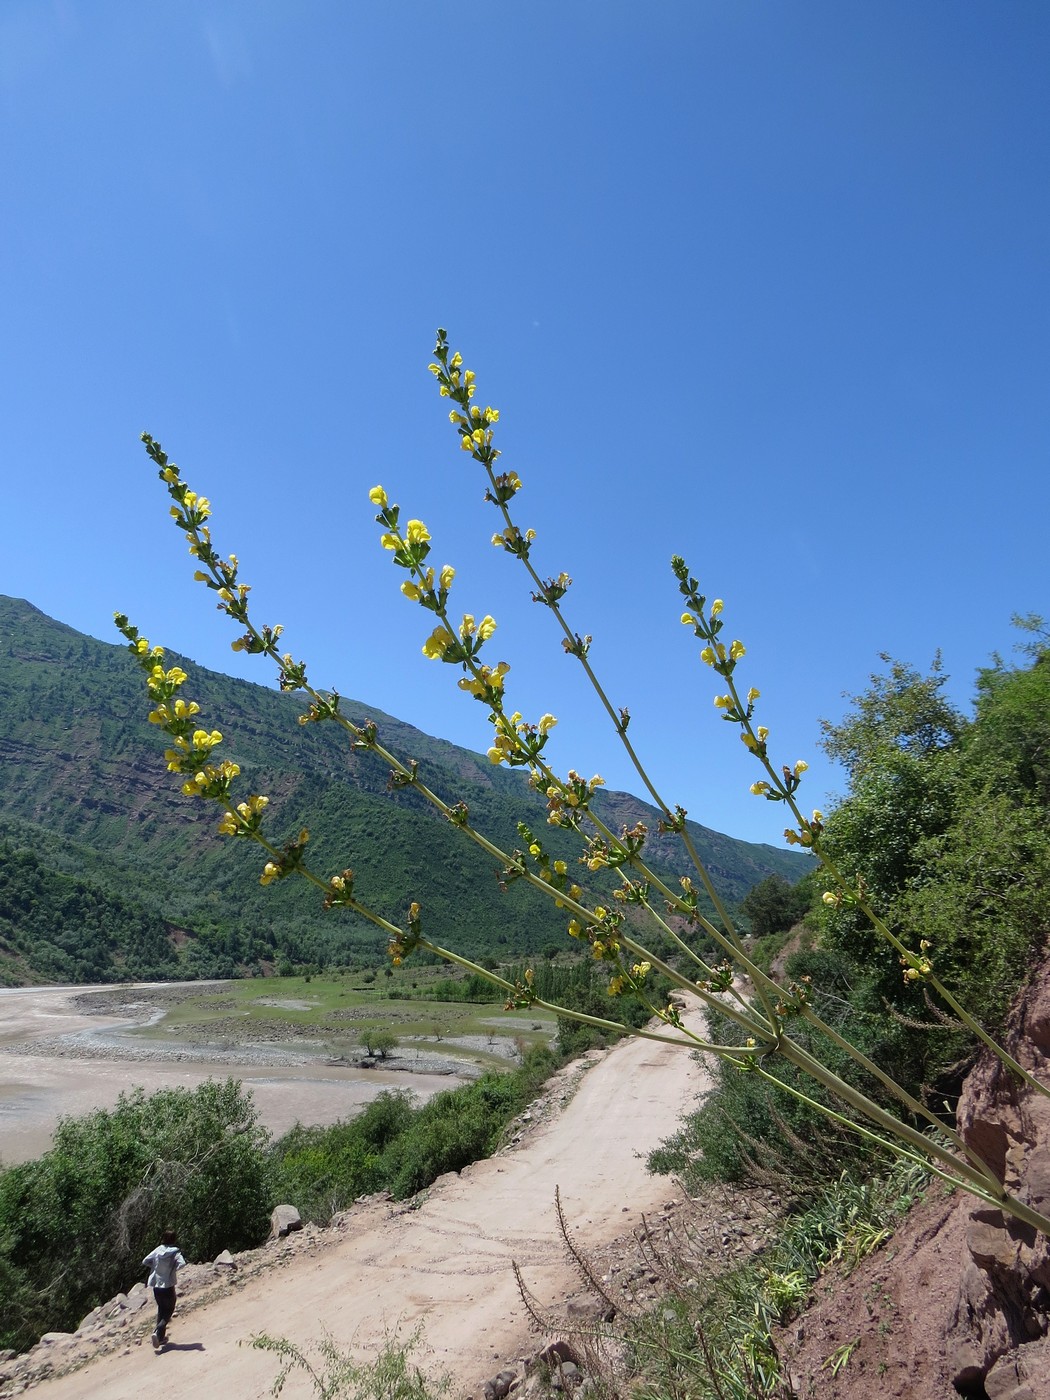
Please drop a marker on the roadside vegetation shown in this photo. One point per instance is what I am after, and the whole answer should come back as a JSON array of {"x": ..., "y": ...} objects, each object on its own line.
[
  {"x": 75, "y": 1223},
  {"x": 947, "y": 817}
]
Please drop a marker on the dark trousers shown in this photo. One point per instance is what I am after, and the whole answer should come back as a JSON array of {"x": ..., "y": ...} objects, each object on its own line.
[{"x": 165, "y": 1307}]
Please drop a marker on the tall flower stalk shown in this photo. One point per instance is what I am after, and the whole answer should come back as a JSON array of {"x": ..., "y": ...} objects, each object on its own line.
[{"x": 762, "y": 1010}]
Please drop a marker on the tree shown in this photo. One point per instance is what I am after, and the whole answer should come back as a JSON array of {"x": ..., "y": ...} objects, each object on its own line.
[
  {"x": 378, "y": 1041},
  {"x": 774, "y": 905},
  {"x": 901, "y": 710}
]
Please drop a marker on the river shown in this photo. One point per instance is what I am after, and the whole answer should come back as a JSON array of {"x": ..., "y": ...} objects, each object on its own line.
[{"x": 56, "y": 1061}]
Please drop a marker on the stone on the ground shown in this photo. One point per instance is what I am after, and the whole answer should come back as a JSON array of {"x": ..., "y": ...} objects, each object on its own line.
[{"x": 283, "y": 1221}]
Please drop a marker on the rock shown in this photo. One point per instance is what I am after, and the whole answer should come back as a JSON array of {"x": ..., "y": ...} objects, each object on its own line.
[
  {"x": 89, "y": 1321},
  {"x": 225, "y": 1260},
  {"x": 587, "y": 1309},
  {"x": 556, "y": 1353},
  {"x": 1021, "y": 1375},
  {"x": 565, "y": 1376},
  {"x": 284, "y": 1221},
  {"x": 499, "y": 1386}
]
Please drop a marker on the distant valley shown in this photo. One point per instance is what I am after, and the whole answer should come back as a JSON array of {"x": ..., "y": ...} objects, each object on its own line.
[{"x": 107, "y": 872}]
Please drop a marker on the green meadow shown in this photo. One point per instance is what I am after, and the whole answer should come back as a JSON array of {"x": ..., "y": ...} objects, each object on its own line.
[{"x": 339, "y": 1014}]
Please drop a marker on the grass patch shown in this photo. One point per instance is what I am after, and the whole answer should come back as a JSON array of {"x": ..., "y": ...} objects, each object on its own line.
[
  {"x": 714, "y": 1337},
  {"x": 336, "y": 1011}
]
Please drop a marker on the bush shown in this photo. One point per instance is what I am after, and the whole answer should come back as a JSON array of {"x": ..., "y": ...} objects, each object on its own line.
[{"x": 75, "y": 1224}]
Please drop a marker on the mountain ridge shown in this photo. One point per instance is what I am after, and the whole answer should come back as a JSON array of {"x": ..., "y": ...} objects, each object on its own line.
[{"x": 83, "y": 781}]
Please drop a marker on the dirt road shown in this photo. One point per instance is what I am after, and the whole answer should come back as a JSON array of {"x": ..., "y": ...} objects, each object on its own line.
[{"x": 445, "y": 1265}]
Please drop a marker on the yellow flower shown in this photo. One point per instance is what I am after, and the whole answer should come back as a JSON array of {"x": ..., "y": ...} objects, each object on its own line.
[
  {"x": 800, "y": 767},
  {"x": 486, "y": 627},
  {"x": 688, "y": 619},
  {"x": 535, "y": 849},
  {"x": 707, "y": 655},
  {"x": 437, "y": 643},
  {"x": 759, "y": 789},
  {"x": 491, "y": 415},
  {"x": 574, "y": 928},
  {"x": 270, "y": 873},
  {"x": 560, "y": 867},
  {"x": 377, "y": 496},
  {"x": 389, "y": 541},
  {"x": 495, "y": 755},
  {"x": 753, "y": 695},
  {"x": 229, "y": 826},
  {"x": 448, "y": 573},
  {"x": 737, "y": 650},
  {"x": 416, "y": 532},
  {"x": 546, "y": 724},
  {"x": 763, "y": 733},
  {"x": 456, "y": 360},
  {"x": 723, "y": 702},
  {"x": 716, "y": 607},
  {"x": 411, "y": 590}
]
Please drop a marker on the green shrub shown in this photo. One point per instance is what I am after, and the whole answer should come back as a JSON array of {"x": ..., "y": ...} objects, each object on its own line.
[{"x": 75, "y": 1224}]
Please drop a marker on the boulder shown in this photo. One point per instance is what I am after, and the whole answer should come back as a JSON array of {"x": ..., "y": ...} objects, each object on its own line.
[
  {"x": 499, "y": 1386},
  {"x": 283, "y": 1221}
]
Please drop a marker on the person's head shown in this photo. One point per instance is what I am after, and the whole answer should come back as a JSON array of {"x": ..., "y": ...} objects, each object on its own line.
[{"x": 168, "y": 1237}]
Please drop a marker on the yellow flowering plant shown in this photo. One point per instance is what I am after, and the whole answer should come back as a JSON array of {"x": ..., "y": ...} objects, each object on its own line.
[{"x": 735, "y": 987}]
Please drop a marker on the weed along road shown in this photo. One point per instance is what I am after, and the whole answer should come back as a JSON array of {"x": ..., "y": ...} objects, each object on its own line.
[{"x": 444, "y": 1265}]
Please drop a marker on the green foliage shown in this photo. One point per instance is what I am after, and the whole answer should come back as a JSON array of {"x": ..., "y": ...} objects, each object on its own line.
[
  {"x": 335, "y": 1375},
  {"x": 378, "y": 1041},
  {"x": 774, "y": 905},
  {"x": 396, "y": 1147},
  {"x": 954, "y": 846},
  {"x": 902, "y": 711},
  {"x": 75, "y": 1224},
  {"x": 67, "y": 929},
  {"x": 749, "y": 1130},
  {"x": 717, "y": 1340},
  {"x": 946, "y": 822}
]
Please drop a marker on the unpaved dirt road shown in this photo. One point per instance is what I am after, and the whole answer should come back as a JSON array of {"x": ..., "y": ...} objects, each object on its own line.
[{"x": 445, "y": 1265}]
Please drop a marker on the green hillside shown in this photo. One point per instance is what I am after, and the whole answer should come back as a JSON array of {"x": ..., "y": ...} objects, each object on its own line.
[{"x": 83, "y": 787}]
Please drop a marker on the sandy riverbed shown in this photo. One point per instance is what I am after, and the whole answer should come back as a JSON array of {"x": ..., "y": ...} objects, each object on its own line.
[{"x": 56, "y": 1060}]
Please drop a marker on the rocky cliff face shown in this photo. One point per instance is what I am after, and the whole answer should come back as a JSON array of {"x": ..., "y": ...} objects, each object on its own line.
[{"x": 959, "y": 1302}]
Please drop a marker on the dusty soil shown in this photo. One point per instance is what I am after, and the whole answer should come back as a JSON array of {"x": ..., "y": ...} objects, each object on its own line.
[{"x": 443, "y": 1263}]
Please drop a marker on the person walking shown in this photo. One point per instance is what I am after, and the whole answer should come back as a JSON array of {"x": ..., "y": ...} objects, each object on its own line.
[{"x": 163, "y": 1263}]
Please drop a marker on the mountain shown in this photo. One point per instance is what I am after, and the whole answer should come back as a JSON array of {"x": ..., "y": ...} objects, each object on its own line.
[{"x": 97, "y": 837}]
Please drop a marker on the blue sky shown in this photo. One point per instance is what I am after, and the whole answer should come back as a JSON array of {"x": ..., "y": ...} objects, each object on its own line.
[{"x": 762, "y": 284}]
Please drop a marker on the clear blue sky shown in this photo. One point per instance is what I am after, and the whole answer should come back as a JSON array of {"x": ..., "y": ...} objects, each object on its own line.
[{"x": 762, "y": 283}]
